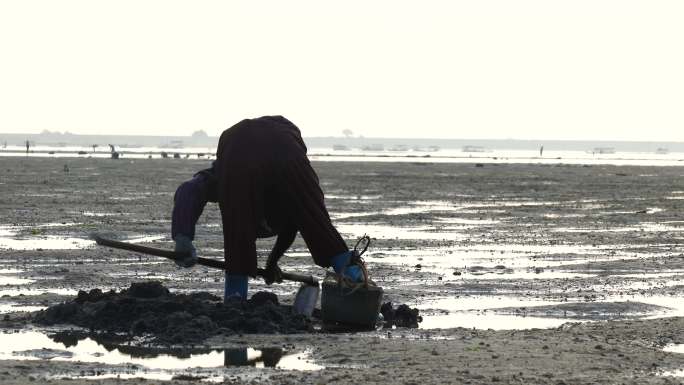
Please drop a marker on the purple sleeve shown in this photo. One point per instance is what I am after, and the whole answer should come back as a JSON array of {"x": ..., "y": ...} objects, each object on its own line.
[{"x": 189, "y": 202}]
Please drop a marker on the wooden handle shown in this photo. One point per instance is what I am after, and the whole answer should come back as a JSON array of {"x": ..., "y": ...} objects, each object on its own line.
[{"x": 173, "y": 255}]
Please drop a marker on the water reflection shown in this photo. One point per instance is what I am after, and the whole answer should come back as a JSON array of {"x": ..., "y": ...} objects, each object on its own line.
[
  {"x": 265, "y": 357},
  {"x": 80, "y": 346}
]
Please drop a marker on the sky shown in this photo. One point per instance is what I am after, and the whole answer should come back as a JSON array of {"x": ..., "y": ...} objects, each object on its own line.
[{"x": 491, "y": 69}]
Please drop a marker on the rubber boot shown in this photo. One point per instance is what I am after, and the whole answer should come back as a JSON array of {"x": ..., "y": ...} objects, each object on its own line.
[{"x": 236, "y": 286}]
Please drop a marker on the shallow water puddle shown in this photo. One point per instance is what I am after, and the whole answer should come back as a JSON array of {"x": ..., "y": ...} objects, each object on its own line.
[
  {"x": 472, "y": 320},
  {"x": 353, "y": 197},
  {"x": 8, "y": 277},
  {"x": 98, "y": 214},
  {"x": 470, "y": 303},
  {"x": 503, "y": 261},
  {"x": 45, "y": 242},
  {"x": 511, "y": 203},
  {"x": 464, "y": 223},
  {"x": 415, "y": 207},
  {"x": 473, "y": 312},
  {"x": 673, "y": 373},
  {"x": 9, "y": 239},
  {"x": 642, "y": 227},
  {"x": 666, "y": 274},
  {"x": 486, "y": 312},
  {"x": 9, "y": 280},
  {"x": 26, "y": 292},
  {"x": 357, "y": 230},
  {"x": 633, "y": 285},
  {"x": 145, "y": 239},
  {"x": 15, "y": 307},
  {"x": 150, "y": 363},
  {"x": 674, "y": 305},
  {"x": 497, "y": 270},
  {"x": 674, "y": 348},
  {"x": 508, "y": 274}
]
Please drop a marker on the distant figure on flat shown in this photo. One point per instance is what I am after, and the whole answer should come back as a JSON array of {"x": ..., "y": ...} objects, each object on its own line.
[
  {"x": 265, "y": 186},
  {"x": 113, "y": 153},
  {"x": 27, "y": 147}
]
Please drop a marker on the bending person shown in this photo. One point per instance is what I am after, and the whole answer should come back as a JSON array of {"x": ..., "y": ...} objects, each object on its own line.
[{"x": 265, "y": 186}]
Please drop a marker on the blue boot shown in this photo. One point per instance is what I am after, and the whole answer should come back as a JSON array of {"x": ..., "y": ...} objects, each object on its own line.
[{"x": 236, "y": 286}]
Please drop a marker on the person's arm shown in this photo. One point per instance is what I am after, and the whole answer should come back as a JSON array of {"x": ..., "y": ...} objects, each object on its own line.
[
  {"x": 283, "y": 242},
  {"x": 189, "y": 201}
]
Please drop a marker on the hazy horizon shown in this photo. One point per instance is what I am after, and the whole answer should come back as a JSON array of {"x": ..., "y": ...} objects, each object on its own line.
[
  {"x": 493, "y": 69},
  {"x": 340, "y": 136},
  {"x": 66, "y": 138}
]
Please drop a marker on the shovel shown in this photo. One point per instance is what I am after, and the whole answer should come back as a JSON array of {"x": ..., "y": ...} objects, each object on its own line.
[{"x": 304, "y": 302}]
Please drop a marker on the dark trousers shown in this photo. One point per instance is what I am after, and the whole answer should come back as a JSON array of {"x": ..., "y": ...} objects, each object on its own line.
[{"x": 263, "y": 172}]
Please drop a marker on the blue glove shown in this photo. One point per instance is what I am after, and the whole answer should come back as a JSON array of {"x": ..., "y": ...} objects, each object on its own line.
[
  {"x": 184, "y": 245},
  {"x": 341, "y": 266}
]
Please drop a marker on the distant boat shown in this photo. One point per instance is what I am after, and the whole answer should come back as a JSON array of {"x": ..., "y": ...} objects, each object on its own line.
[
  {"x": 473, "y": 149},
  {"x": 340, "y": 147},
  {"x": 603, "y": 150},
  {"x": 373, "y": 147},
  {"x": 662, "y": 151},
  {"x": 175, "y": 144},
  {"x": 428, "y": 149}
]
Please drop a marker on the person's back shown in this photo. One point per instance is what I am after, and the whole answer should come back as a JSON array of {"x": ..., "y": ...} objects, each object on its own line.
[{"x": 265, "y": 185}]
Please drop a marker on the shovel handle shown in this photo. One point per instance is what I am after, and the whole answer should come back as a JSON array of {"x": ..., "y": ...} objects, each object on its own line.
[{"x": 174, "y": 255}]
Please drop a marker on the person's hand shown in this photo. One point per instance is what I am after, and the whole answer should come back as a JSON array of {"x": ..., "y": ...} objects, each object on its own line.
[
  {"x": 272, "y": 273},
  {"x": 184, "y": 245}
]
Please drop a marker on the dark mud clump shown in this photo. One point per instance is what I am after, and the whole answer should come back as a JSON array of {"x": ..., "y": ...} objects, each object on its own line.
[
  {"x": 149, "y": 309},
  {"x": 401, "y": 316}
]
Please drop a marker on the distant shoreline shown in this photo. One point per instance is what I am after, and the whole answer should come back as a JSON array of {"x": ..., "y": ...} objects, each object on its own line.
[
  {"x": 550, "y": 157},
  {"x": 131, "y": 141}
]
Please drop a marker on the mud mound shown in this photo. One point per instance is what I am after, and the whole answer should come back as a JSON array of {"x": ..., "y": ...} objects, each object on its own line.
[
  {"x": 401, "y": 316},
  {"x": 149, "y": 309}
]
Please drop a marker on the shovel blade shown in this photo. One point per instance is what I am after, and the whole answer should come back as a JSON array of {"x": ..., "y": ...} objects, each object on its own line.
[{"x": 306, "y": 298}]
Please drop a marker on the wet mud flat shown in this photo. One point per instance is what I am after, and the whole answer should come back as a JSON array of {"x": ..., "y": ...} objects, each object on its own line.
[
  {"x": 591, "y": 256},
  {"x": 630, "y": 352}
]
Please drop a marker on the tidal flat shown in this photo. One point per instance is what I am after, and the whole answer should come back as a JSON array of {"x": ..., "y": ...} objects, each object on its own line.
[{"x": 523, "y": 273}]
